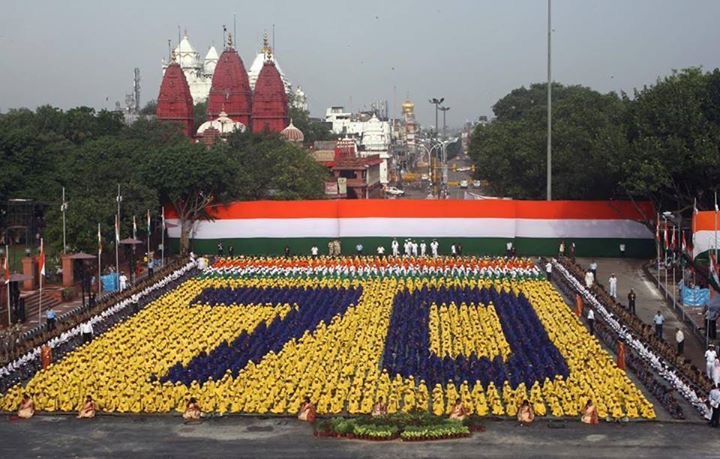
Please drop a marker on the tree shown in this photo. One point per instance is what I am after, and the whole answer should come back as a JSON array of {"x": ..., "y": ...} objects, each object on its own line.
[
  {"x": 674, "y": 133},
  {"x": 312, "y": 129},
  {"x": 272, "y": 168},
  {"x": 588, "y": 138},
  {"x": 190, "y": 177},
  {"x": 200, "y": 114}
]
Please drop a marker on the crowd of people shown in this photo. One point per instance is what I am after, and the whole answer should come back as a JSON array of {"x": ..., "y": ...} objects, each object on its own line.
[
  {"x": 658, "y": 356},
  {"x": 258, "y": 335}
]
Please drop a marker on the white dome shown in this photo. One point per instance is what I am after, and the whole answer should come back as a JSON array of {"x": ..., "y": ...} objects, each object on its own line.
[
  {"x": 211, "y": 59},
  {"x": 222, "y": 124},
  {"x": 187, "y": 57}
]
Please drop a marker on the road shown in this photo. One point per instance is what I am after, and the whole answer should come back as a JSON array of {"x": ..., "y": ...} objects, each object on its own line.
[
  {"x": 240, "y": 436},
  {"x": 454, "y": 177}
]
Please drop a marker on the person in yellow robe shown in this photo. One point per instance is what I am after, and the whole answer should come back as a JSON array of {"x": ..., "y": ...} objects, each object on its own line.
[
  {"x": 379, "y": 408},
  {"x": 88, "y": 409},
  {"x": 590, "y": 414},
  {"x": 525, "y": 414},
  {"x": 308, "y": 412},
  {"x": 26, "y": 410},
  {"x": 459, "y": 412},
  {"x": 192, "y": 411}
]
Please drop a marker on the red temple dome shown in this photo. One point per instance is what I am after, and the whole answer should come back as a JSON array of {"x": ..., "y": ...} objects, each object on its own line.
[
  {"x": 175, "y": 102},
  {"x": 230, "y": 90},
  {"x": 270, "y": 102},
  {"x": 293, "y": 134}
]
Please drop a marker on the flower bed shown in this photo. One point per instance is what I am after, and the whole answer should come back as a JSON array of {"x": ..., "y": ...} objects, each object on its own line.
[{"x": 408, "y": 427}]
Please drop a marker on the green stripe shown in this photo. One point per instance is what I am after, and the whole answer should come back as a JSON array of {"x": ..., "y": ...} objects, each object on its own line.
[{"x": 588, "y": 247}]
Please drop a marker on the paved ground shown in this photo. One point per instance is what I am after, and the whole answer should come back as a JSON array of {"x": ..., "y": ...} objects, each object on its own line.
[
  {"x": 649, "y": 300},
  {"x": 64, "y": 436}
]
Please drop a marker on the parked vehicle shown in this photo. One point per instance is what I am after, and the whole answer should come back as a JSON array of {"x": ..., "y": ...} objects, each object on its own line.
[{"x": 393, "y": 191}]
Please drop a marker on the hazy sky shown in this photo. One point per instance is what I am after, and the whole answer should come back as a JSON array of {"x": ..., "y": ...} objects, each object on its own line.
[{"x": 82, "y": 52}]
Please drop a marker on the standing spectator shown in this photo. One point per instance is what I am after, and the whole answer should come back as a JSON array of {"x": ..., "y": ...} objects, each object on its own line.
[
  {"x": 459, "y": 250},
  {"x": 716, "y": 371},
  {"x": 359, "y": 249},
  {"x": 45, "y": 356},
  {"x": 711, "y": 322},
  {"x": 612, "y": 283},
  {"x": 395, "y": 246},
  {"x": 680, "y": 340},
  {"x": 453, "y": 250},
  {"x": 231, "y": 251},
  {"x": 714, "y": 400},
  {"x": 631, "y": 301},
  {"x": 593, "y": 268},
  {"x": 589, "y": 279},
  {"x": 51, "y": 319},
  {"x": 123, "y": 281},
  {"x": 561, "y": 250},
  {"x": 314, "y": 251},
  {"x": 591, "y": 321},
  {"x": 381, "y": 251},
  {"x": 151, "y": 267},
  {"x": 331, "y": 248},
  {"x": 434, "y": 248},
  {"x": 508, "y": 249},
  {"x": 710, "y": 356},
  {"x": 572, "y": 251},
  {"x": 220, "y": 249},
  {"x": 86, "y": 330},
  {"x": 423, "y": 248},
  {"x": 659, "y": 320},
  {"x": 286, "y": 251},
  {"x": 338, "y": 249},
  {"x": 548, "y": 271}
]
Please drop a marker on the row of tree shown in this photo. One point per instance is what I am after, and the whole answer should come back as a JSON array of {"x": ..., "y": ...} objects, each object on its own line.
[
  {"x": 661, "y": 143},
  {"x": 90, "y": 154}
]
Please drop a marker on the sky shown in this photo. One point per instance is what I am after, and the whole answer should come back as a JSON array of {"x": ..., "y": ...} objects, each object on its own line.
[{"x": 471, "y": 52}]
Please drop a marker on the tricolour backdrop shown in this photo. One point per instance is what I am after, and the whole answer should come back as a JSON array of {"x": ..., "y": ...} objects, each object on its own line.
[{"x": 598, "y": 228}]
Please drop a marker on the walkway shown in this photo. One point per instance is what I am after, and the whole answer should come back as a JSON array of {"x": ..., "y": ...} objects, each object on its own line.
[{"x": 630, "y": 274}]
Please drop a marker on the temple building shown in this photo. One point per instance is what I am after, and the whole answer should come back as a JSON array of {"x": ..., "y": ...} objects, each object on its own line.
[
  {"x": 175, "y": 103},
  {"x": 198, "y": 72},
  {"x": 233, "y": 104},
  {"x": 230, "y": 90},
  {"x": 270, "y": 101}
]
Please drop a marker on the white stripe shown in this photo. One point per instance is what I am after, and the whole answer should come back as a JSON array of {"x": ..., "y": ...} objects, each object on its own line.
[
  {"x": 703, "y": 241},
  {"x": 414, "y": 227}
]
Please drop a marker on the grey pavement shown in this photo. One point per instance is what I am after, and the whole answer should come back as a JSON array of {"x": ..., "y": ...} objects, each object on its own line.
[
  {"x": 166, "y": 436},
  {"x": 630, "y": 274}
]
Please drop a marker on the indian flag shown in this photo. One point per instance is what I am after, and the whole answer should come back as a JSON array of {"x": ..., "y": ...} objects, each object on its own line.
[
  {"x": 41, "y": 258},
  {"x": 703, "y": 232},
  {"x": 485, "y": 226}
]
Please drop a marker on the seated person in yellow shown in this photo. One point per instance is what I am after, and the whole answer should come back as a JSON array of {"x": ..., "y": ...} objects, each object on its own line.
[
  {"x": 26, "y": 410},
  {"x": 525, "y": 414},
  {"x": 88, "y": 409},
  {"x": 192, "y": 411},
  {"x": 459, "y": 412},
  {"x": 379, "y": 408},
  {"x": 307, "y": 411},
  {"x": 590, "y": 415}
]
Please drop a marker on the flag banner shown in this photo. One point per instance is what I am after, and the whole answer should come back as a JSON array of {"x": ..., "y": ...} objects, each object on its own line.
[
  {"x": 259, "y": 225},
  {"x": 109, "y": 282},
  {"x": 703, "y": 233},
  {"x": 148, "y": 222},
  {"x": 99, "y": 240},
  {"x": 41, "y": 259},
  {"x": 6, "y": 264},
  {"x": 134, "y": 228},
  {"x": 117, "y": 229},
  {"x": 714, "y": 269}
]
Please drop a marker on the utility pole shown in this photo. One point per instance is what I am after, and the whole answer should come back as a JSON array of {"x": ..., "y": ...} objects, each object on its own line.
[
  {"x": 549, "y": 104},
  {"x": 63, "y": 209},
  {"x": 437, "y": 103},
  {"x": 444, "y": 111}
]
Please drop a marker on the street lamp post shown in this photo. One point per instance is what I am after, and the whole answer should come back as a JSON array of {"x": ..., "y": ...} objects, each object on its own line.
[
  {"x": 549, "y": 106},
  {"x": 437, "y": 103},
  {"x": 444, "y": 111},
  {"x": 63, "y": 209}
]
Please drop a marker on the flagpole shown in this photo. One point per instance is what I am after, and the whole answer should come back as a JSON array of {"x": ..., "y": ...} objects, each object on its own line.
[
  {"x": 162, "y": 238},
  {"x": 40, "y": 275},
  {"x": 99, "y": 262},
  {"x": 117, "y": 241},
  {"x": 148, "y": 240},
  {"x": 657, "y": 248},
  {"x": 674, "y": 282},
  {"x": 7, "y": 281}
]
